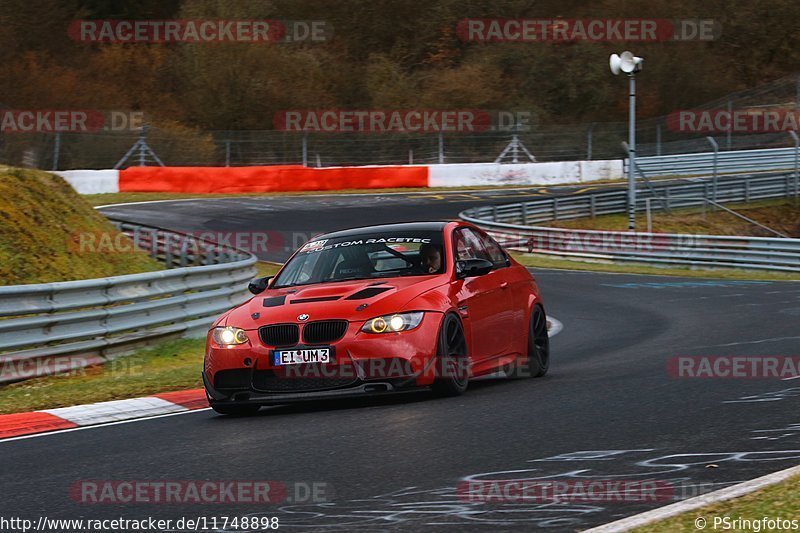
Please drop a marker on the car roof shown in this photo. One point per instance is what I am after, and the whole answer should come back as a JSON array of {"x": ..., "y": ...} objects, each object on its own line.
[{"x": 401, "y": 226}]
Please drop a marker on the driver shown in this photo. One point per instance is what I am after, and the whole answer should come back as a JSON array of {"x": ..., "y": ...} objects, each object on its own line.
[{"x": 430, "y": 257}]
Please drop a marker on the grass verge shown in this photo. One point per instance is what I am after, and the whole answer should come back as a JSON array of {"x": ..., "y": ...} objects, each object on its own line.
[
  {"x": 778, "y": 501},
  {"x": 781, "y": 215},
  {"x": 172, "y": 365},
  {"x": 265, "y": 268},
  {"x": 44, "y": 225},
  {"x": 544, "y": 261}
]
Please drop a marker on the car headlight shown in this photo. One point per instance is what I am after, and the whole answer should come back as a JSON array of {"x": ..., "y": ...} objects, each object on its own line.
[
  {"x": 393, "y": 323},
  {"x": 229, "y": 336}
]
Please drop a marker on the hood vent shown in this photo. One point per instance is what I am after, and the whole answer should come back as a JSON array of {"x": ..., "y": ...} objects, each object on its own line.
[
  {"x": 311, "y": 300},
  {"x": 369, "y": 292},
  {"x": 275, "y": 301}
]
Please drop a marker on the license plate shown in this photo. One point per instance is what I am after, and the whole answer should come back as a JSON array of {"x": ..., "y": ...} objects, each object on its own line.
[{"x": 301, "y": 356}]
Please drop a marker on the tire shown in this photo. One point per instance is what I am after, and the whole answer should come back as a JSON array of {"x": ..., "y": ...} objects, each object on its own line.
[
  {"x": 452, "y": 364},
  {"x": 538, "y": 360},
  {"x": 236, "y": 410}
]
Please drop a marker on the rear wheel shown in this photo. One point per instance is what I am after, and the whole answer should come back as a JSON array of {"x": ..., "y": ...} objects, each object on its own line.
[
  {"x": 452, "y": 366},
  {"x": 538, "y": 360},
  {"x": 236, "y": 410}
]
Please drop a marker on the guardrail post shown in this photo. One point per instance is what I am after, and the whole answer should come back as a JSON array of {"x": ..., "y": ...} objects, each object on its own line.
[
  {"x": 592, "y": 205},
  {"x": 56, "y": 150},
  {"x": 136, "y": 237},
  {"x": 658, "y": 139},
  {"x": 747, "y": 191},
  {"x": 524, "y": 211},
  {"x": 589, "y": 142},
  {"x": 555, "y": 208},
  {"x": 154, "y": 244},
  {"x": 227, "y": 153},
  {"x": 667, "y": 199},
  {"x": 184, "y": 250},
  {"x": 304, "y": 148},
  {"x": 715, "y": 146},
  {"x": 168, "y": 250},
  {"x": 728, "y": 132},
  {"x": 796, "y": 160},
  {"x": 494, "y": 213},
  {"x": 441, "y": 147}
]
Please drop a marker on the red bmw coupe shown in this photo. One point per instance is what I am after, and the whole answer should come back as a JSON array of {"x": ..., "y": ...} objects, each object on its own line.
[{"x": 375, "y": 310}]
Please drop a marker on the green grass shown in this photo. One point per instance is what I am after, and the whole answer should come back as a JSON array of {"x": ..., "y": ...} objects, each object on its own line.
[
  {"x": 43, "y": 222},
  {"x": 548, "y": 262},
  {"x": 172, "y": 365},
  {"x": 778, "y": 501},
  {"x": 266, "y": 268},
  {"x": 781, "y": 215}
]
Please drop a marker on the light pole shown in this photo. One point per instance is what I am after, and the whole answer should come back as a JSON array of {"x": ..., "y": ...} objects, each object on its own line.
[{"x": 630, "y": 65}]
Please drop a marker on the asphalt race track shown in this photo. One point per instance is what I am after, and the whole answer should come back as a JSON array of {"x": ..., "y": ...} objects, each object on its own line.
[{"x": 608, "y": 410}]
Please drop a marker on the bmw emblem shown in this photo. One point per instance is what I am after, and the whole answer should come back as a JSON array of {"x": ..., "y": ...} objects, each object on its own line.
[{"x": 302, "y": 317}]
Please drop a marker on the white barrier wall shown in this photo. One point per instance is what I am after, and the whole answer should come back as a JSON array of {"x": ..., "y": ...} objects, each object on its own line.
[
  {"x": 448, "y": 175},
  {"x": 551, "y": 173},
  {"x": 91, "y": 181}
]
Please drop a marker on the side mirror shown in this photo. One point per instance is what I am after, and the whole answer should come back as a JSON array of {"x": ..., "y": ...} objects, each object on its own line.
[
  {"x": 259, "y": 285},
  {"x": 468, "y": 268}
]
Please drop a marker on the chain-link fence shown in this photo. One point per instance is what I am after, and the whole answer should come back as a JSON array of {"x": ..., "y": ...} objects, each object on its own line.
[{"x": 181, "y": 146}]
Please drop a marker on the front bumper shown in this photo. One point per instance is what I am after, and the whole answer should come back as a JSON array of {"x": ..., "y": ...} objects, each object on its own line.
[
  {"x": 259, "y": 398},
  {"x": 364, "y": 364}
]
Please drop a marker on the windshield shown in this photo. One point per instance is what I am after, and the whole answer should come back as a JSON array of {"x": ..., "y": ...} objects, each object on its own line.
[{"x": 365, "y": 256}]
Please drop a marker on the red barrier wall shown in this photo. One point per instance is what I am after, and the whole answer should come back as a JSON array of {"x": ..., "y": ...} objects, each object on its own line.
[{"x": 267, "y": 178}]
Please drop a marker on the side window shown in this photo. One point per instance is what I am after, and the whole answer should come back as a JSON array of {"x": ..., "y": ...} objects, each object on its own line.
[
  {"x": 468, "y": 246},
  {"x": 496, "y": 254}
]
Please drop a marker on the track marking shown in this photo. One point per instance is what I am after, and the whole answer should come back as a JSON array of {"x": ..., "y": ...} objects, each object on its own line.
[
  {"x": 81, "y": 428},
  {"x": 735, "y": 491},
  {"x": 103, "y": 414},
  {"x": 409, "y": 195},
  {"x": 554, "y": 326}
]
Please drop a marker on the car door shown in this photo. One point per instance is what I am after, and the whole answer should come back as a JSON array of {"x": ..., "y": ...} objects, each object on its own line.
[
  {"x": 481, "y": 300},
  {"x": 516, "y": 283}
]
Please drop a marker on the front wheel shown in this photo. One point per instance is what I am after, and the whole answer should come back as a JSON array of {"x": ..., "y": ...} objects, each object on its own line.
[
  {"x": 538, "y": 360},
  {"x": 452, "y": 366},
  {"x": 236, "y": 410}
]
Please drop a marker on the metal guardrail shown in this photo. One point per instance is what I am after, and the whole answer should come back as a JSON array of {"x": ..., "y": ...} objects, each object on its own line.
[
  {"x": 51, "y": 328},
  {"x": 704, "y": 163},
  {"x": 512, "y": 225}
]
